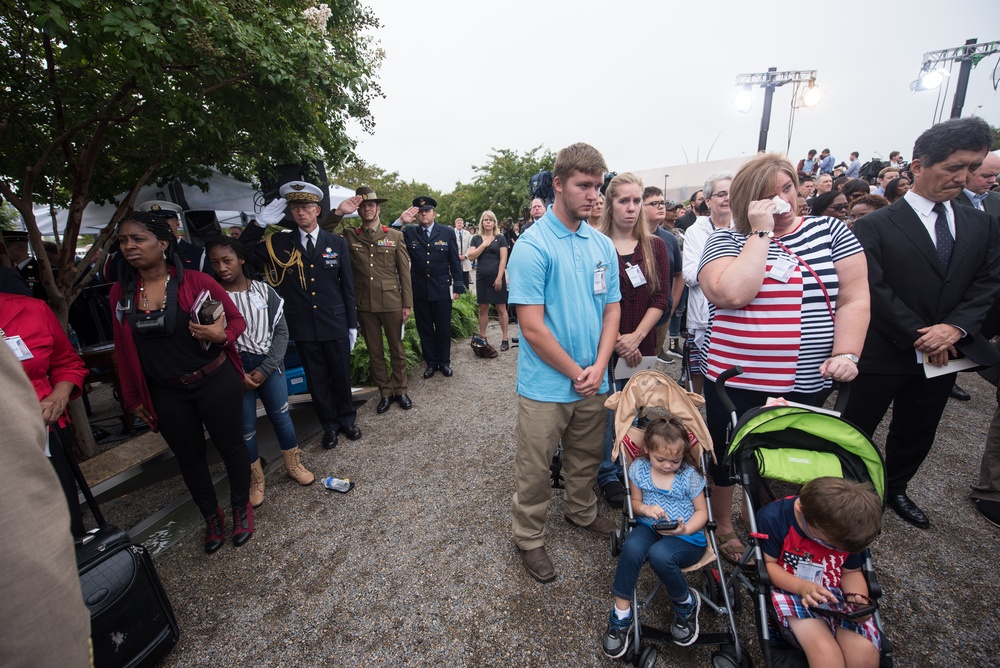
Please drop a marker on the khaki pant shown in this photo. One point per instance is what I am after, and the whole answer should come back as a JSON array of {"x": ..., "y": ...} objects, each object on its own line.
[
  {"x": 540, "y": 428},
  {"x": 371, "y": 326}
]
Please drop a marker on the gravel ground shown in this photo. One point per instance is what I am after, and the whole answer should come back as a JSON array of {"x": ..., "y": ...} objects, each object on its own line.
[{"x": 416, "y": 567}]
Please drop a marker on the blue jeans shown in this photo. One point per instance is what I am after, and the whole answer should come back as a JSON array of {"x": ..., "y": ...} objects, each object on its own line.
[
  {"x": 273, "y": 393},
  {"x": 667, "y": 556},
  {"x": 610, "y": 469}
]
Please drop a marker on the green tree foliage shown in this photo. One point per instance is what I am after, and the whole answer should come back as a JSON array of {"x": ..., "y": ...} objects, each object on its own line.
[
  {"x": 101, "y": 98},
  {"x": 996, "y": 139},
  {"x": 386, "y": 184},
  {"x": 8, "y": 216},
  {"x": 502, "y": 185}
]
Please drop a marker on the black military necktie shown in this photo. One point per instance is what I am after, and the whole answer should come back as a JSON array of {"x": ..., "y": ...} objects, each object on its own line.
[
  {"x": 427, "y": 231},
  {"x": 945, "y": 242},
  {"x": 310, "y": 246}
]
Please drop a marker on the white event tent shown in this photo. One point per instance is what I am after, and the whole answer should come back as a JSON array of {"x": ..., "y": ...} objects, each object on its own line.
[{"x": 231, "y": 199}]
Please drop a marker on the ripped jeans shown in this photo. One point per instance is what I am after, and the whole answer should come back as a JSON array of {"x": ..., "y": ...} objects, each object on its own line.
[{"x": 273, "y": 393}]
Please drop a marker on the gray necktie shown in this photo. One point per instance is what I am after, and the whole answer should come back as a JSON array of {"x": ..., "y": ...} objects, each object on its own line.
[
  {"x": 427, "y": 231},
  {"x": 945, "y": 242}
]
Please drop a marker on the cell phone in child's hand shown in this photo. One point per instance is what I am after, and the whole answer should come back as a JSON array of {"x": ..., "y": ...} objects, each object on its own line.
[
  {"x": 665, "y": 525},
  {"x": 844, "y": 609}
]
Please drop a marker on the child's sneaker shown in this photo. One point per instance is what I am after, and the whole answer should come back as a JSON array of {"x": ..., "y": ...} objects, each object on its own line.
[
  {"x": 684, "y": 630},
  {"x": 618, "y": 635}
]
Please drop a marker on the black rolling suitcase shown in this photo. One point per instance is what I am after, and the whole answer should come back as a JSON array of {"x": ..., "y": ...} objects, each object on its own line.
[{"x": 131, "y": 621}]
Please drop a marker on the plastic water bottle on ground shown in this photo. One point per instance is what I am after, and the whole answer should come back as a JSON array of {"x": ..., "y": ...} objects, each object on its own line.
[{"x": 338, "y": 484}]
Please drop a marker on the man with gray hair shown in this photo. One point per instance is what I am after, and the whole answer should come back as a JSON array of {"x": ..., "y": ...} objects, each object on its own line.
[{"x": 933, "y": 272}]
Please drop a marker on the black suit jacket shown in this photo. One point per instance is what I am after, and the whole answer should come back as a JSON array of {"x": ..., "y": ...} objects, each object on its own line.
[
  {"x": 324, "y": 309},
  {"x": 435, "y": 269},
  {"x": 910, "y": 288},
  {"x": 991, "y": 204}
]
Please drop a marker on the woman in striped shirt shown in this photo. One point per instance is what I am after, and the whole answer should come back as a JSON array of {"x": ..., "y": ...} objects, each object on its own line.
[
  {"x": 789, "y": 304},
  {"x": 262, "y": 350}
]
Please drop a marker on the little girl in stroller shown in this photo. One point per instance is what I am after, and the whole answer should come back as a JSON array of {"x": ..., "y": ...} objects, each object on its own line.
[{"x": 671, "y": 511}]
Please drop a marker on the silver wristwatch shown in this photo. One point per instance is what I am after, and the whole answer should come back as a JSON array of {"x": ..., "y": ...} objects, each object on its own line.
[{"x": 850, "y": 356}]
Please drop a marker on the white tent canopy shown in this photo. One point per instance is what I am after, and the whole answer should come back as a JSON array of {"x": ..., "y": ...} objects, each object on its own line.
[{"x": 232, "y": 200}]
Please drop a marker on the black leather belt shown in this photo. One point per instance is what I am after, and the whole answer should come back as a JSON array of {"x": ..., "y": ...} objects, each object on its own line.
[{"x": 194, "y": 376}]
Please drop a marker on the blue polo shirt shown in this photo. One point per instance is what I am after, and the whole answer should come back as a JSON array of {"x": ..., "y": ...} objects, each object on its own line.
[{"x": 555, "y": 267}]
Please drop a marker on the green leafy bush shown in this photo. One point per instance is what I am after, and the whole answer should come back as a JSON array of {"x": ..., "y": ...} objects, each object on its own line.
[
  {"x": 464, "y": 323},
  {"x": 361, "y": 368}
]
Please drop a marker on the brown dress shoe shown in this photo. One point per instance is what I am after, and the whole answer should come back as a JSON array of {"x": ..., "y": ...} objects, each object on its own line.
[
  {"x": 538, "y": 564},
  {"x": 599, "y": 527}
]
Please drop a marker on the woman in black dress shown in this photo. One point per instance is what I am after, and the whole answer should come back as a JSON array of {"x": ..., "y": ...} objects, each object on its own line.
[{"x": 489, "y": 250}]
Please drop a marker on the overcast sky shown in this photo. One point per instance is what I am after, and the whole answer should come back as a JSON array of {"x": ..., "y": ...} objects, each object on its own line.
[{"x": 650, "y": 83}]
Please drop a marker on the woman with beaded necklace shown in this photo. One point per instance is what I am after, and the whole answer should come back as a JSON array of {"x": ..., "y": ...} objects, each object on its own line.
[{"x": 178, "y": 376}]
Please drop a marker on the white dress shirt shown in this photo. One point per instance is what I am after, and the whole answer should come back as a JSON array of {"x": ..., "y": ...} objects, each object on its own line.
[{"x": 924, "y": 209}]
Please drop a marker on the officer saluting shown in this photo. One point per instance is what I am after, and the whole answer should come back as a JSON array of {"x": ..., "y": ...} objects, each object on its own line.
[
  {"x": 381, "y": 269},
  {"x": 436, "y": 274},
  {"x": 311, "y": 270}
]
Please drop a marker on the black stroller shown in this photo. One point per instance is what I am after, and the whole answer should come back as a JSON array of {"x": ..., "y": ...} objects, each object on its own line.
[{"x": 790, "y": 445}]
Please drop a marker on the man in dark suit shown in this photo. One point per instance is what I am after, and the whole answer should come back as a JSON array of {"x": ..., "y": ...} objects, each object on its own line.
[
  {"x": 933, "y": 271},
  {"x": 436, "y": 275},
  {"x": 977, "y": 193},
  {"x": 311, "y": 270}
]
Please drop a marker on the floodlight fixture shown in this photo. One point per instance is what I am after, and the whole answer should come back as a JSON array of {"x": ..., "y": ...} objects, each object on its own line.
[
  {"x": 743, "y": 100},
  {"x": 812, "y": 95}
]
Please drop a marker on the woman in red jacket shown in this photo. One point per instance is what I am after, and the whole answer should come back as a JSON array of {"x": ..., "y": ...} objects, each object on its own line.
[
  {"x": 178, "y": 376},
  {"x": 31, "y": 330}
]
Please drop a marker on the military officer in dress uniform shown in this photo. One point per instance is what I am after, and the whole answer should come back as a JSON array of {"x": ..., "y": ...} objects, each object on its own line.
[
  {"x": 310, "y": 268},
  {"x": 436, "y": 274},
  {"x": 26, "y": 266},
  {"x": 381, "y": 269}
]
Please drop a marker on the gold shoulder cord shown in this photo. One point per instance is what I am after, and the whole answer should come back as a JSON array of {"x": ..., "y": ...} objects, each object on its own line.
[{"x": 294, "y": 258}]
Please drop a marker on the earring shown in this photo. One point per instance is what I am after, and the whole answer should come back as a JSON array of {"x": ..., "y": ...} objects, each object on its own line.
[{"x": 164, "y": 254}]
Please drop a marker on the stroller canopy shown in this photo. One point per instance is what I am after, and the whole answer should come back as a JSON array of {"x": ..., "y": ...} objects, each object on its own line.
[{"x": 796, "y": 445}]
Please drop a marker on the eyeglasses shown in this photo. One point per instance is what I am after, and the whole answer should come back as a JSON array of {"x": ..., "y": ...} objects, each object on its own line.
[
  {"x": 723, "y": 195},
  {"x": 656, "y": 204},
  {"x": 838, "y": 207}
]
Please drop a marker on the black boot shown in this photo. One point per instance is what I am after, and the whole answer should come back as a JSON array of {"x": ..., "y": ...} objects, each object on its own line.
[
  {"x": 215, "y": 536},
  {"x": 242, "y": 524}
]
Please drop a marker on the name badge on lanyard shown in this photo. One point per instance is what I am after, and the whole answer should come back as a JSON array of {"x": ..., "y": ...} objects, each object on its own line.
[
  {"x": 634, "y": 273},
  {"x": 18, "y": 347},
  {"x": 600, "y": 280},
  {"x": 809, "y": 571},
  {"x": 781, "y": 270}
]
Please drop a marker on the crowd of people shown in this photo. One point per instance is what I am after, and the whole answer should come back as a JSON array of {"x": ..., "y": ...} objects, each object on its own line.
[{"x": 803, "y": 275}]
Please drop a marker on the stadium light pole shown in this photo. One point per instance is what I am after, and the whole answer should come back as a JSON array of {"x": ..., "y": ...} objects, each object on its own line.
[
  {"x": 932, "y": 71},
  {"x": 769, "y": 81}
]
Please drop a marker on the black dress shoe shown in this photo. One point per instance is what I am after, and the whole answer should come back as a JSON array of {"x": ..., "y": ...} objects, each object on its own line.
[
  {"x": 430, "y": 372},
  {"x": 909, "y": 511},
  {"x": 383, "y": 405},
  {"x": 404, "y": 401},
  {"x": 959, "y": 393},
  {"x": 353, "y": 432},
  {"x": 446, "y": 370},
  {"x": 329, "y": 440}
]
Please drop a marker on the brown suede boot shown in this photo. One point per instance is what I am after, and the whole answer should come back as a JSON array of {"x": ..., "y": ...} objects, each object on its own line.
[
  {"x": 256, "y": 484},
  {"x": 296, "y": 470}
]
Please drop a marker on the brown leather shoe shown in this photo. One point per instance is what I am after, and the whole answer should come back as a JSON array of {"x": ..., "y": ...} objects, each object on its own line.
[
  {"x": 538, "y": 564},
  {"x": 599, "y": 527}
]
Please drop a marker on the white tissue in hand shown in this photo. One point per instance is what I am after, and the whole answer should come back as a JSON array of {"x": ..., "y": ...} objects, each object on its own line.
[{"x": 780, "y": 206}]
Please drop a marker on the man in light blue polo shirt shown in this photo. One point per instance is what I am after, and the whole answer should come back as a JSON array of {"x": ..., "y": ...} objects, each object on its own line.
[{"x": 564, "y": 280}]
